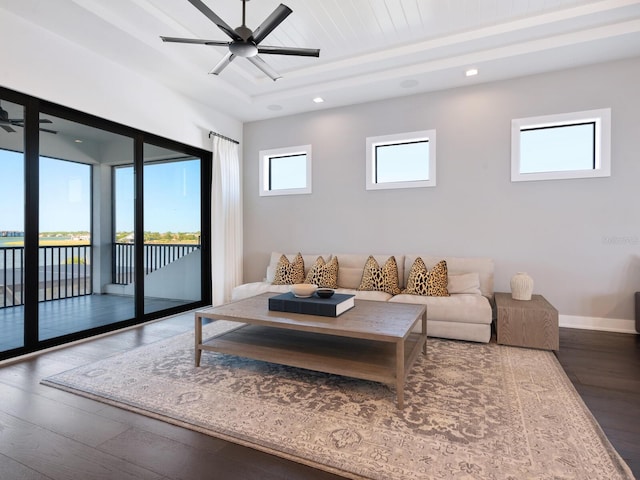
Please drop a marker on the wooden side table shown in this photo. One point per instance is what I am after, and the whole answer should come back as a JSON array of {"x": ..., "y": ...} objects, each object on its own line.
[{"x": 527, "y": 323}]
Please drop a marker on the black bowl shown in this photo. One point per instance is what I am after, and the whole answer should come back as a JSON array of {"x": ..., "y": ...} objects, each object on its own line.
[{"x": 325, "y": 292}]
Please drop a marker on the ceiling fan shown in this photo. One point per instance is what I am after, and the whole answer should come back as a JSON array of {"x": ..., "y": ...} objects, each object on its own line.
[
  {"x": 246, "y": 42},
  {"x": 6, "y": 123}
]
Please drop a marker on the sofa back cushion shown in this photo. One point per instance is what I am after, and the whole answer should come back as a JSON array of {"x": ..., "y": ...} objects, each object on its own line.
[
  {"x": 352, "y": 266},
  {"x": 484, "y": 267},
  {"x": 468, "y": 283}
]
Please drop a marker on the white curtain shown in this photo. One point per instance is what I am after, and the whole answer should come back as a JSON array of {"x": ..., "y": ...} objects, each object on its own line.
[{"x": 226, "y": 220}]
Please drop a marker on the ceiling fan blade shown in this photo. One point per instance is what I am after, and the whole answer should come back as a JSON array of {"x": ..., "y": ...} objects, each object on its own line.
[
  {"x": 48, "y": 131},
  {"x": 45, "y": 120},
  {"x": 228, "y": 58},
  {"x": 7, "y": 128},
  {"x": 195, "y": 40},
  {"x": 304, "y": 52},
  {"x": 222, "y": 25},
  {"x": 262, "y": 65},
  {"x": 271, "y": 22}
]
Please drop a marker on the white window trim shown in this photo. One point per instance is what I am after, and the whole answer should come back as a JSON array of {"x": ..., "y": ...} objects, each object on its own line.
[
  {"x": 372, "y": 142},
  {"x": 602, "y": 120},
  {"x": 265, "y": 155}
]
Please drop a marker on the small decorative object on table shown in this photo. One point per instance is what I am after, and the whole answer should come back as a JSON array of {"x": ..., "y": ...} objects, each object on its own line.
[
  {"x": 325, "y": 292},
  {"x": 303, "y": 290},
  {"x": 521, "y": 286}
]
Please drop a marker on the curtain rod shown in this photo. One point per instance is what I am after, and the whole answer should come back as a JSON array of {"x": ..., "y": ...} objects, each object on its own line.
[{"x": 222, "y": 136}]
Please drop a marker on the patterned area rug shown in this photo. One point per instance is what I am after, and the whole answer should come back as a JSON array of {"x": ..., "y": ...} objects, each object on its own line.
[{"x": 476, "y": 411}]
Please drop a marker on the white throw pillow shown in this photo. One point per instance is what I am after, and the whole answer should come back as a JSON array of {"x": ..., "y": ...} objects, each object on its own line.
[{"x": 464, "y": 283}]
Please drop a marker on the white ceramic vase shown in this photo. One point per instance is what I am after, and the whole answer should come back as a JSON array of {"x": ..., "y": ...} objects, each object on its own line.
[{"x": 521, "y": 286}]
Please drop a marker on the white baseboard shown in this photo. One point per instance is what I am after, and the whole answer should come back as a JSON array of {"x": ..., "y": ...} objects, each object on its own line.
[{"x": 597, "y": 323}]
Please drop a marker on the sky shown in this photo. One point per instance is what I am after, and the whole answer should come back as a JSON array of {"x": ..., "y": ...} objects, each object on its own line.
[
  {"x": 172, "y": 196},
  {"x": 11, "y": 205},
  {"x": 557, "y": 149},
  {"x": 403, "y": 162}
]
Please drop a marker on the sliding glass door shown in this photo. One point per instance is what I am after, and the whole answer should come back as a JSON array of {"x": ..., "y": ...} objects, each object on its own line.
[
  {"x": 77, "y": 289},
  {"x": 12, "y": 215},
  {"x": 101, "y": 226},
  {"x": 64, "y": 244},
  {"x": 172, "y": 229}
]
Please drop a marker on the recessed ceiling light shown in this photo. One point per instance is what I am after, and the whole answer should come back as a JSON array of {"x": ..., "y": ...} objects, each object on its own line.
[
  {"x": 318, "y": 100},
  {"x": 274, "y": 107},
  {"x": 410, "y": 83},
  {"x": 471, "y": 72},
  {"x": 78, "y": 140}
]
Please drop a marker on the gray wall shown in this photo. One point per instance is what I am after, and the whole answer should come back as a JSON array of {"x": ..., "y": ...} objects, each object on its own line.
[{"x": 578, "y": 239}]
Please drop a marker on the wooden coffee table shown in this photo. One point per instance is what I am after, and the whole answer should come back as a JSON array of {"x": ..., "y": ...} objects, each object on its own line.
[{"x": 372, "y": 341}]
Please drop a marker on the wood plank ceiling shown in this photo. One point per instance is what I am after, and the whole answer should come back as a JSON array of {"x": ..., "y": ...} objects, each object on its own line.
[{"x": 370, "y": 49}]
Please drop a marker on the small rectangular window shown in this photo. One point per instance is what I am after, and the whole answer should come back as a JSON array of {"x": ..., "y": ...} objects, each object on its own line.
[
  {"x": 404, "y": 160},
  {"x": 573, "y": 145},
  {"x": 285, "y": 171}
]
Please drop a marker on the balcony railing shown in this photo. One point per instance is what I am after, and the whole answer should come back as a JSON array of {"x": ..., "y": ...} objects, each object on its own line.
[
  {"x": 12, "y": 278},
  {"x": 156, "y": 256},
  {"x": 64, "y": 271}
]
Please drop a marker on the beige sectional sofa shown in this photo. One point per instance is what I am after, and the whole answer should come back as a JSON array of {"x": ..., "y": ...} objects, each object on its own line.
[{"x": 466, "y": 314}]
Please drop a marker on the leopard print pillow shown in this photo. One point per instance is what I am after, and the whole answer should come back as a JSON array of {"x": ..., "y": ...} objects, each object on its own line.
[
  {"x": 289, "y": 273},
  {"x": 383, "y": 279},
  {"x": 418, "y": 281},
  {"x": 324, "y": 275},
  {"x": 438, "y": 280},
  {"x": 432, "y": 283}
]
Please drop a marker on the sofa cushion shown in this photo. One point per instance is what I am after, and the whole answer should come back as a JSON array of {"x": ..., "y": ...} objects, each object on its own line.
[
  {"x": 366, "y": 294},
  {"x": 252, "y": 289},
  {"x": 288, "y": 273},
  {"x": 385, "y": 278},
  {"x": 462, "y": 308},
  {"x": 324, "y": 275},
  {"x": 464, "y": 283},
  {"x": 427, "y": 282}
]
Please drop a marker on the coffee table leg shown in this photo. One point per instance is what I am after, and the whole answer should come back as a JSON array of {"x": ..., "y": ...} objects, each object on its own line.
[
  {"x": 198, "y": 339},
  {"x": 424, "y": 331},
  {"x": 400, "y": 373}
]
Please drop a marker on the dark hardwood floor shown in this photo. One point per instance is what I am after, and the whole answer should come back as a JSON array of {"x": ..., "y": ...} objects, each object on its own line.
[
  {"x": 50, "y": 434},
  {"x": 605, "y": 370}
]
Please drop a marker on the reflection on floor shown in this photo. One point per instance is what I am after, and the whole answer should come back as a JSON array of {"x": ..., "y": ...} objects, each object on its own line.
[{"x": 69, "y": 315}]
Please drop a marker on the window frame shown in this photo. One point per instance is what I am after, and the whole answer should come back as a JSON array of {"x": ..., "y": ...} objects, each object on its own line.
[
  {"x": 265, "y": 165},
  {"x": 600, "y": 118},
  {"x": 400, "y": 139}
]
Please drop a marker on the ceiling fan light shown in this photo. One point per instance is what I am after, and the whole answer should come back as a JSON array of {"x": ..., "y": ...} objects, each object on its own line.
[{"x": 243, "y": 49}]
